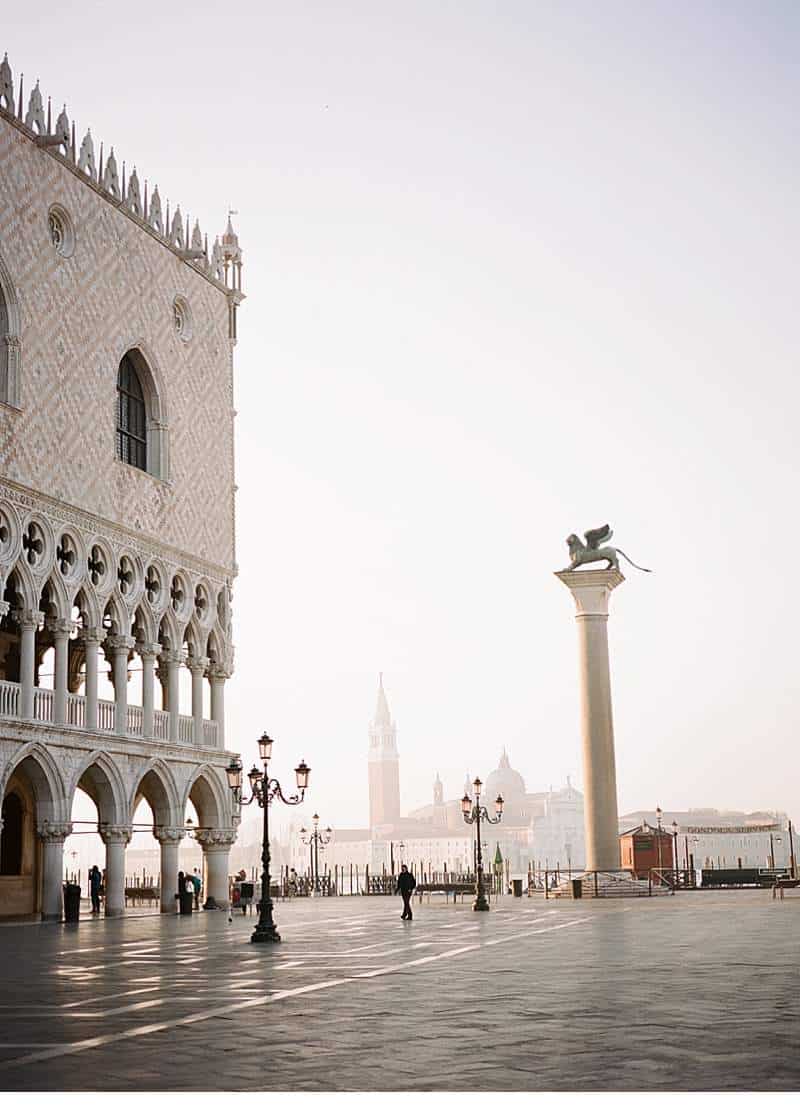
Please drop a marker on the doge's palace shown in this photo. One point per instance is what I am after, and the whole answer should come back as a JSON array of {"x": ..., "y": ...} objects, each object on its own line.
[{"x": 117, "y": 329}]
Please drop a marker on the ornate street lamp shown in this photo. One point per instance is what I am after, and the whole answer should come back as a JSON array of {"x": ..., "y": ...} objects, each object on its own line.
[
  {"x": 263, "y": 790},
  {"x": 658, "y": 820},
  {"x": 316, "y": 841},
  {"x": 675, "y": 853},
  {"x": 474, "y": 814}
]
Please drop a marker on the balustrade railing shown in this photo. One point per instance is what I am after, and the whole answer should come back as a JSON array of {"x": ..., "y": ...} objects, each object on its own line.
[
  {"x": 9, "y": 699},
  {"x": 43, "y": 711},
  {"x": 42, "y": 704}
]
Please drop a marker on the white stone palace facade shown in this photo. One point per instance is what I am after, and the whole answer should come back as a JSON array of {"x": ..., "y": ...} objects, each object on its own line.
[{"x": 117, "y": 330}]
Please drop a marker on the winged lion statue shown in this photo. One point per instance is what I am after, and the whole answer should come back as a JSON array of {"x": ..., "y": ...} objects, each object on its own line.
[{"x": 594, "y": 550}]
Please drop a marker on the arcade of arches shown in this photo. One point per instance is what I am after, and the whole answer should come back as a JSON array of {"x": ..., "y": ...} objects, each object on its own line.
[{"x": 38, "y": 789}]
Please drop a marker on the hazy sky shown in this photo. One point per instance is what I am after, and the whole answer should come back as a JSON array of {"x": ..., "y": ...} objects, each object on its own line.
[{"x": 512, "y": 270}]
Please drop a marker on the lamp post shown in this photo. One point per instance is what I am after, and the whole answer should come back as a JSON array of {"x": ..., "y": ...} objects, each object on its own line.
[
  {"x": 675, "y": 848},
  {"x": 263, "y": 790},
  {"x": 658, "y": 822},
  {"x": 474, "y": 814},
  {"x": 315, "y": 840}
]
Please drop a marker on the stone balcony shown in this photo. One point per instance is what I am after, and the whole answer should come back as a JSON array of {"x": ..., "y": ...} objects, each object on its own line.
[{"x": 188, "y": 731}]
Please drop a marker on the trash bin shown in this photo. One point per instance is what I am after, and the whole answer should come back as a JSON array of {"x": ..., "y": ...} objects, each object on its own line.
[
  {"x": 577, "y": 889},
  {"x": 517, "y": 885},
  {"x": 187, "y": 902},
  {"x": 72, "y": 902}
]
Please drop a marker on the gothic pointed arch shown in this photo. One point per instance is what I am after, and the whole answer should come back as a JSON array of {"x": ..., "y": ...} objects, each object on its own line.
[
  {"x": 156, "y": 784},
  {"x": 36, "y": 763},
  {"x": 209, "y": 796},
  {"x": 101, "y": 779},
  {"x": 10, "y": 343},
  {"x": 141, "y": 420}
]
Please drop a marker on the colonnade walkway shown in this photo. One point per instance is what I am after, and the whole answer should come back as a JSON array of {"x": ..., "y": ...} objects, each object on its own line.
[{"x": 693, "y": 992}]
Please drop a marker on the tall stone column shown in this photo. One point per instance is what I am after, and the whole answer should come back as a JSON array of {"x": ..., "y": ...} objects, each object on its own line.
[
  {"x": 93, "y": 637},
  {"x": 171, "y": 660},
  {"x": 169, "y": 837},
  {"x": 217, "y": 677},
  {"x": 29, "y": 622},
  {"x": 60, "y": 629},
  {"x": 148, "y": 653},
  {"x": 197, "y": 666},
  {"x": 120, "y": 646},
  {"x": 116, "y": 840},
  {"x": 591, "y": 591},
  {"x": 217, "y": 850},
  {"x": 53, "y": 835}
]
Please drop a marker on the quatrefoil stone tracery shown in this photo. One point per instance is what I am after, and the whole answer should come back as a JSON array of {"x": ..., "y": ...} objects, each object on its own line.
[
  {"x": 65, "y": 554},
  {"x": 125, "y": 575},
  {"x": 32, "y": 544},
  {"x": 176, "y": 594},
  {"x": 96, "y": 565},
  {"x": 152, "y": 586}
]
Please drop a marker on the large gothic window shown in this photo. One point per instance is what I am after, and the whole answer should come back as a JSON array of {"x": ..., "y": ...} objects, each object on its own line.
[{"x": 131, "y": 416}]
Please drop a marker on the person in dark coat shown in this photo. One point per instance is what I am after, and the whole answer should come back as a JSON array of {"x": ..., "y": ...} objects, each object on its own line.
[
  {"x": 405, "y": 887},
  {"x": 95, "y": 883}
]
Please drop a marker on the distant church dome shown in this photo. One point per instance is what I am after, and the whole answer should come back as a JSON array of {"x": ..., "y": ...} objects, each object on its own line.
[{"x": 504, "y": 781}]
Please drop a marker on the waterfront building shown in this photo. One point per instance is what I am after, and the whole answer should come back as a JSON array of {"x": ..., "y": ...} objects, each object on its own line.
[{"x": 117, "y": 330}]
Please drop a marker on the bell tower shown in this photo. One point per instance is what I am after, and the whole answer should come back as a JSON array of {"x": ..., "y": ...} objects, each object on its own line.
[{"x": 384, "y": 766}]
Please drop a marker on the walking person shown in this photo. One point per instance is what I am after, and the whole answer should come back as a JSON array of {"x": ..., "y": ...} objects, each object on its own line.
[
  {"x": 95, "y": 883},
  {"x": 405, "y": 887},
  {"x": 197, "y": 884}
]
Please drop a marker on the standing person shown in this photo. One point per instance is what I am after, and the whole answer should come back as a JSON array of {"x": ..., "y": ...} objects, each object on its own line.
[
  {"x": 405, "y": 887},
  {"x": 197, "y": 883},
  {"x": 95, "y": 882}
]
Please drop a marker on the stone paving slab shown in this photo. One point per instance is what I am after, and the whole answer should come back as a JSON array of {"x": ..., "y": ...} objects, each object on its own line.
[{"x": 692, "y": 992}]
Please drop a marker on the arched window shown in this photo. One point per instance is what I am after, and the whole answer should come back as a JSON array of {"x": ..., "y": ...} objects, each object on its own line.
[
  {"x": 131, "y": 416},
  {"x": 3, "y": 347},
  {"x": 11, "y": 836}
]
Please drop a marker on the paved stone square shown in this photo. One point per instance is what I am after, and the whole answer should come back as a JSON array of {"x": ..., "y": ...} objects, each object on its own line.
[{"x": 699, "y": 991}]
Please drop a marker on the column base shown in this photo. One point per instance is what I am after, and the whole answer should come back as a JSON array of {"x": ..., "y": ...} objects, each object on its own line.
[
  {"x": 114, "y": 911},
  {"x": 52, "y": 917},
  {"x": 480, "y": 905}
]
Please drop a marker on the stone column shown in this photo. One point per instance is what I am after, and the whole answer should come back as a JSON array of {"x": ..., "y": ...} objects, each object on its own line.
[
  {"x": 93, "y": 638},
  {"x": 148, "y": 653},
  {"x": 60, "y": 629},
  {"x": 53, "y": 835},
  {"x": 116, "y": 839},
  {"x": 29, "y": 622},
  {"x": 120, "y": 646},
  {"x": 169, "y": 838},
  {"x": 217, "y": 677},
  {"x": 171, "y": 659},
  {"x": 217, "y": 850},
  {"x": 591, "y": 591},
  {"x": 197, "y": 666}
]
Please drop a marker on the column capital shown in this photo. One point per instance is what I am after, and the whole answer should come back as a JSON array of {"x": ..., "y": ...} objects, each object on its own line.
[
  {"x": 54, "y": 831},
  {"x": 60, "y": 627},
  {"x": 219, "y": 672},
  {"x": 215, "y": 838},
  {"x": 116, "y": 835},
  {"x": 28, "y": 619},
  {"x": 170, "y": 657},
  {"x": 149, "y": 649},
  {"x": 591, "y": 589},
  {"x": 197, "y": 664},
  {"x": 120, "y": 643},
  {"x": 93, "y": 635},
  {"x": 169, "y": 835}
]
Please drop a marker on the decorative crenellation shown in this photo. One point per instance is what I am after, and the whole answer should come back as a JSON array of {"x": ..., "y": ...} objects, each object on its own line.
[{"x": 223, "y": 264}]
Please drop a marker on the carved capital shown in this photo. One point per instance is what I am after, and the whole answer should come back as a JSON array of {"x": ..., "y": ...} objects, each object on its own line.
[
  {"x": 148, "y": 649},
  {"x": 93, "y": 635},
  {"x": 197, "y": 664},
  {"x": 120, "y": 643},
  {"x": 169, "y": 835},
  {"x": 218, "y": 672},
  {"x": 215, "y": 838},
  {"x": 170, "y": 657},
  {"x": 29, "y": 619},
  {"x": 55, "y": 832},
  {"x": 60, "y": 627},
  {"x": 116, "y": 835}
]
